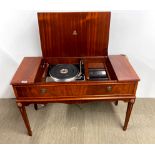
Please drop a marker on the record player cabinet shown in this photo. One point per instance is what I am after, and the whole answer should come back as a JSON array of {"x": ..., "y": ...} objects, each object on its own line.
[{"x": 67, "y": 38}]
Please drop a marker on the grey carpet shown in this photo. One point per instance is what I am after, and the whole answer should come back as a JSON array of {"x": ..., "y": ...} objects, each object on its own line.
[{"x": 96, "y": 122}]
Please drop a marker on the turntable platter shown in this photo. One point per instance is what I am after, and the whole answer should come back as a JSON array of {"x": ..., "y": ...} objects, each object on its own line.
[{"x": 63, "y": 72}]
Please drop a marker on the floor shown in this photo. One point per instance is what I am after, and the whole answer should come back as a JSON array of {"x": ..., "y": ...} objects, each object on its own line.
[{"x": 97, "y": 122}]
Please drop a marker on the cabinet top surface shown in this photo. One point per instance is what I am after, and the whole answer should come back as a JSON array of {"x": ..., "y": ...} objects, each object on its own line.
[
  {"x": 28, "y": 69},
  {"x": 74, "y": 34}
]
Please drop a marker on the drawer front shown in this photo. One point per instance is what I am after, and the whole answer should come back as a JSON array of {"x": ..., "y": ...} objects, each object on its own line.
[{"x": 75, "y": 90}]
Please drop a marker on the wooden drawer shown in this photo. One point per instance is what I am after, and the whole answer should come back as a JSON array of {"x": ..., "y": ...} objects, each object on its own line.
[{"x": 75, "y": 90}]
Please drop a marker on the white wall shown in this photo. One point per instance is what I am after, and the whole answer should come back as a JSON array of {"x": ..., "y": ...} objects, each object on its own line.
[{"x": 132, "y": 33}]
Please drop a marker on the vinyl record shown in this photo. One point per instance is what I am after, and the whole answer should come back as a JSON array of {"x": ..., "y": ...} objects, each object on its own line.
[{"x": 63, "y": 72}]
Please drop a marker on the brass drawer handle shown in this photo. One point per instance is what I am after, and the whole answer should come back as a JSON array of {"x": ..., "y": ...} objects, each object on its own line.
[
  {"x": 109, "y": 88},
  {"x": 43, "y": 90}
]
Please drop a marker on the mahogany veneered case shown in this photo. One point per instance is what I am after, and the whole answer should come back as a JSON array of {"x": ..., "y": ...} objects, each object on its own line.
[{"x": 68, "y": 38}]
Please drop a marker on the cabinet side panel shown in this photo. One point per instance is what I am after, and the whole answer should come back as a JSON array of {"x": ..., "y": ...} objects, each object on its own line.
[
  {"x": 27, "y": 70},
  {"x": 122, "y": 68}
]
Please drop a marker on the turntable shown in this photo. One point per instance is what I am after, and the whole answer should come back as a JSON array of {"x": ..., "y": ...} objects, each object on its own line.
[
  {"x": 75, "y": 66},
  {"x": 65, "y": 73}
]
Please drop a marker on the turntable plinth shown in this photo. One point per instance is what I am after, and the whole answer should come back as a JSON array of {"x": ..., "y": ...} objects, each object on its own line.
[{"x": 29, "y": 82}]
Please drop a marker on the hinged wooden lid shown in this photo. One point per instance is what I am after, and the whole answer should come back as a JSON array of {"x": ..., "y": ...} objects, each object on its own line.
[{"x": 74, "y": 34}]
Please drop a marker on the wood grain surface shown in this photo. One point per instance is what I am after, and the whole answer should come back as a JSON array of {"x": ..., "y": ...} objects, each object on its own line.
[
  {"x": 74, "y": 34},
  {"x": 123, "y": 69},
  {"x": 27, "y": 70}
]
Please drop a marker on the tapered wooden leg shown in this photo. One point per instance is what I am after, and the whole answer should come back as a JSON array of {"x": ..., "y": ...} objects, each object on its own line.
[
  {"x": 35, "y": 106},
  {"x": 25, "y": 118},
  {"x": 128, "y": 113},
  {"x": 116, "y": 103}
]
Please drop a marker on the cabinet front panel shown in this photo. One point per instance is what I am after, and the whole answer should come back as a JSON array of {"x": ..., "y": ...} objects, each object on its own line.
[{"x": 43, "y": 91}]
